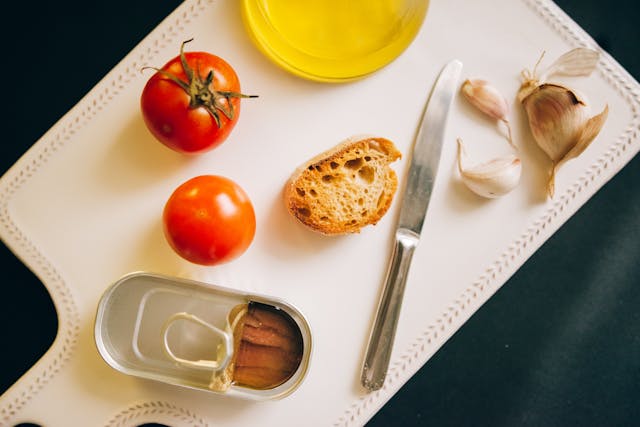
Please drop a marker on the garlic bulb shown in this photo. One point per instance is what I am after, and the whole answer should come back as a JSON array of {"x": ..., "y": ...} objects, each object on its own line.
[
  {"x": 487, "y": 99},
  {"x": 491, "y": 179},
  {"x": 558, "y": 116}
]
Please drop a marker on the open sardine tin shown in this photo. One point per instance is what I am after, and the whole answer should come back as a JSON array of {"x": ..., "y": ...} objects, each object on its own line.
[{"x": 202, "y": 336}]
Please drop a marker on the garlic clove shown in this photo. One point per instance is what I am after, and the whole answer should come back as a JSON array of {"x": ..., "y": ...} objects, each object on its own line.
[
  {"x": 589, "y": 131},
  {"x": 485, "y": 98},
  {"x": 488, "y": 100},
  {"x": 491, "y": 179}
]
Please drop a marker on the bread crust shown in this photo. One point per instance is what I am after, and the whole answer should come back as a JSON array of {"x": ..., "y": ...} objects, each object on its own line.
[{"x": 344, "y": 188}]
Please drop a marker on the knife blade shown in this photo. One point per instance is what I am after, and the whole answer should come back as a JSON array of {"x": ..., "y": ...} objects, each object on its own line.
[{"x": 423, "y": 169}]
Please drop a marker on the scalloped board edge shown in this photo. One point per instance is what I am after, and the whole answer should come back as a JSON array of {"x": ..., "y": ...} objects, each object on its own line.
[{"x": 621, "y": 151}]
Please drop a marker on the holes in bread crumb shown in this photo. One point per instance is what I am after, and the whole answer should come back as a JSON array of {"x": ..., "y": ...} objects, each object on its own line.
[
  {"x": 380, "y": 199},
  {"x": 300, "y": 191},
  {"x": 360, "y": 201},
  {"x": 367, "y": 158},
  {"x": 324, "y": 218},
  {"x": 354, "y": 163},
  {"x": 313, "y": 192},
  {"x": 334, "y": 165},
  {"x": 367, "y": 174},
  {"x": 327, "y": 178},
  {"x": 304, "y": 212}
]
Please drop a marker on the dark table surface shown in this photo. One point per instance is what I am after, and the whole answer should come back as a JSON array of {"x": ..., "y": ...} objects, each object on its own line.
[{"x": 558, "y": 345}]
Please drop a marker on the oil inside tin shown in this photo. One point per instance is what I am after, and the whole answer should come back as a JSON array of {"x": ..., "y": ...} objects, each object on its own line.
[{"x": 269, "y": 349}]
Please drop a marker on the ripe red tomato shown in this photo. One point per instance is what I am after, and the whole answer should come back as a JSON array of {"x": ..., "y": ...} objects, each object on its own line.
[
  {"x": 193, "y": 102},
  {"x": 209, "y": 220}
]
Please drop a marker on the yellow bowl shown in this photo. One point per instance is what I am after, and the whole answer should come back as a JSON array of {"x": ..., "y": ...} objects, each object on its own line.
[{"x": 333, "y": 40}]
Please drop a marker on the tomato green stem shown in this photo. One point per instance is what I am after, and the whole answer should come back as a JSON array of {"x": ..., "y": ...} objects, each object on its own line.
[{"x": 201, "y": 91}]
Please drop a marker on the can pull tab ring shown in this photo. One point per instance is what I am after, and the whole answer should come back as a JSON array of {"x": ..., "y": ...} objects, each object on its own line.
[{"x": 225, "y": 349}]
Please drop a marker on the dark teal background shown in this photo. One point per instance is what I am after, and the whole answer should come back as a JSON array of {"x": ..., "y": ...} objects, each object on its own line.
[{"x": 558, "y": 345}]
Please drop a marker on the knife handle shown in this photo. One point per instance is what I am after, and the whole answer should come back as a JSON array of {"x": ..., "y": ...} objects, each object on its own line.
[{"x": 376, "y": 361}]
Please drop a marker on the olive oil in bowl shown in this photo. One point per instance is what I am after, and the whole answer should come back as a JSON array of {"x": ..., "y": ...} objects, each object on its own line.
[{"x": 333, "y": 40}]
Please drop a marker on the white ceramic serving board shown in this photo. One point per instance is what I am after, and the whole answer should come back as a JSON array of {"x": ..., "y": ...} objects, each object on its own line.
[{"x": 99, "y": 180}]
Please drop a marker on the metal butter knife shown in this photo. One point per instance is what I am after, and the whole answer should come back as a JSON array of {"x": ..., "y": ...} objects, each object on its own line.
[{"x": 420, "y": 180}]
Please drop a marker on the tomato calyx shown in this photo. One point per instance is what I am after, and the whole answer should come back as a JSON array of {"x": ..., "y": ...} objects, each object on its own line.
[{"x": 201, "y": 91}]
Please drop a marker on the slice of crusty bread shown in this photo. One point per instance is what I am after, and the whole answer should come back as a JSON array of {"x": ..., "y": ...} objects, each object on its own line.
[{"x": 345, "y": 188}]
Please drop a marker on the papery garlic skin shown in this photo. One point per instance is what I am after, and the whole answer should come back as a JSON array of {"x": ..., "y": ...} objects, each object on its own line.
[
  {"x": 488, "y": 100},
  {"x": 578, "y": 62},
  {"x": 491, "y": 179},
  {"x": 559, "y": 118}
]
